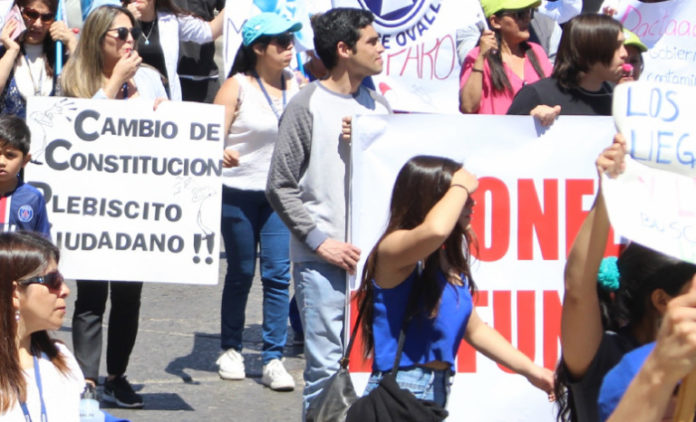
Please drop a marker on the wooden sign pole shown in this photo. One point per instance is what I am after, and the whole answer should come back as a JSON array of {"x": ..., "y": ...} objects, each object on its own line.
[{"x": 686, "y": 399}]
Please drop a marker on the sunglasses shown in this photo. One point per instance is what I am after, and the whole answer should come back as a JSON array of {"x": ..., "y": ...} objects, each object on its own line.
[
  {"x": 122, "y": 32},
  {"x": 33, "y": 15},
  {"x": 521, "y": 14},
  {"x": 283, "y": 40},
  {"x": 51, "y": 280}
]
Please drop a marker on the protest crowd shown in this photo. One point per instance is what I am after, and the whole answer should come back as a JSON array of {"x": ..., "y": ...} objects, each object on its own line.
[{"x": 628, "y": 322}]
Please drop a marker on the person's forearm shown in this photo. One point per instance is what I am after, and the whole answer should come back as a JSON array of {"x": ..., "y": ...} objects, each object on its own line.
[
  {"x": 470, "y": 93},
  {"x": 647, "y": 397},
  {"x": 7, "y": 63}
]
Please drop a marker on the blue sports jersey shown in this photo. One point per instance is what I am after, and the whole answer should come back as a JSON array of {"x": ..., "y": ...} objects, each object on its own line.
[{"x": 24, "y": 209}]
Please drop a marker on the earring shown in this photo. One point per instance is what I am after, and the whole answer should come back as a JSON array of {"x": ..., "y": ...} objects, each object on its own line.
[{"x": 17, "y": 315}]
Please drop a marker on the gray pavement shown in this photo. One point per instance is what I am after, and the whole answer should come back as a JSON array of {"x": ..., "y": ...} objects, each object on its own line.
[{"x": 173, "y": 363}]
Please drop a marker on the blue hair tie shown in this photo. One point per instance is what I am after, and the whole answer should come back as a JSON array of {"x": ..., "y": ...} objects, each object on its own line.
[{"x": 608, "y": 275}]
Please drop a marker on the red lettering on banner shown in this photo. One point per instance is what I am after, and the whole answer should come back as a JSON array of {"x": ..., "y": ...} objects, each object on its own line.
[
  {"x": 576, "y": 189},
  {"x": 527, "y": 329},
  {"x": 552, "y": 327},
  {"x": 533, "y": 218},
  {"x": 495, "y": 248},
  {"x": 358, "y": 363}
]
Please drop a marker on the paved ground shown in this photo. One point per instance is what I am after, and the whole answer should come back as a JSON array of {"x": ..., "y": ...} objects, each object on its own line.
[{"x": 173, "y": 364}]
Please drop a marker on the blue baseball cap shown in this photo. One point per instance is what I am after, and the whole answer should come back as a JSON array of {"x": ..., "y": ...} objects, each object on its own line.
[{"x": 267, "y": 23}]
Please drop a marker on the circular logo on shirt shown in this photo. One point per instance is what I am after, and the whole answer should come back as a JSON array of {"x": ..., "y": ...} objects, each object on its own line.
[
  {"x": 395, "y": 15},
  {"x": 25, "y": 213}
]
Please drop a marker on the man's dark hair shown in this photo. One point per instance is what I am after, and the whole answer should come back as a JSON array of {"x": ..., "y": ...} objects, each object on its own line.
[
  {"x": 586, "y": 40},
  {"x": 336, "y": 25},
  {"x": 14, "y": 133}
]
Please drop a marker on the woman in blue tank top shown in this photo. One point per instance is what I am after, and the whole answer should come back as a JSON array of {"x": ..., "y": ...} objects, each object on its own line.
[{"x": 422, "y": 249}]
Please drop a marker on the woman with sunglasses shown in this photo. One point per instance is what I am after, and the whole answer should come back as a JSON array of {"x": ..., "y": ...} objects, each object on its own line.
[
  {"x": 418, "y": 277},
  {"x": 254, "y": 95},
  {"x": 39, "y": 377},
  {"x": 164, "y": 26},
  {"x": 106, "y": 65},
  {"x": 504, "y": 61},
  {"x": 28, "y": 61}
]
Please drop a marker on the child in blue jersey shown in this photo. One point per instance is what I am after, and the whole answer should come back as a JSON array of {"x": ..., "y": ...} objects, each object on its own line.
[
  {"x": 22, "y": 206},
  {"x": 432, "y": 229}
]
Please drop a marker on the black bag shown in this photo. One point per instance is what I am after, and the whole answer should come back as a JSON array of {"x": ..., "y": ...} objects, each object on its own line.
[
  {"x": 332, "y": 404},
  {"x": 389, "y": 402}
]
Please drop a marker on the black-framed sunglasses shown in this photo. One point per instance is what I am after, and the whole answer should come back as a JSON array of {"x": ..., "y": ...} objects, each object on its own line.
[
  {"x": 283, "y": 40},
  {"x": 122, "y": 32},
  {"x": 520, "y": 14},
  {"x": 33, "y": 15},
  {"x": 51, "y": 280}
]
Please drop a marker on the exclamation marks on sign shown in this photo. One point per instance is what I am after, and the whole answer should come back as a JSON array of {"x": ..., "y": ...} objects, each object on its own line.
[{"x": 209, "y": 243}]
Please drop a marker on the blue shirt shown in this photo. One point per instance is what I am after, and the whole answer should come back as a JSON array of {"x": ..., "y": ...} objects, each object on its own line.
[
  {"x": 427, "y": 339},
  {"x": 24, "y": 209}
]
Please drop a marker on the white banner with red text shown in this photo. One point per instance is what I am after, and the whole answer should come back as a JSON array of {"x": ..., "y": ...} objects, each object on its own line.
[
  {"x": 130, "y": 198},
  {"x": 536, "y": 186}
]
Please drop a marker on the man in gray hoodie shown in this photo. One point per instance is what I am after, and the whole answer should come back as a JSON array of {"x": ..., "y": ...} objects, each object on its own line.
[{"x": 308, "y": 182}]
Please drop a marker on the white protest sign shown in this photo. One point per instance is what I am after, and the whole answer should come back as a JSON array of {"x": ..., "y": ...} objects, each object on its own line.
[
  {"x": 421, "y": 68},
  {"x": 130, "y": 198},
  {"x": 534, "y": 192},
  {"x": 654, "y": 201},
  {"x": 658, "y": 123},
  {"x": 655, "y": 208},
  {"x": 668, "y": 29}
]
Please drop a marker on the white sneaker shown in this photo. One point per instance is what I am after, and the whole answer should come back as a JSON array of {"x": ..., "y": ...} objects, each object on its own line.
[
  {"x": 276, "y": 377},
  {"x": 231, "y": 365}
]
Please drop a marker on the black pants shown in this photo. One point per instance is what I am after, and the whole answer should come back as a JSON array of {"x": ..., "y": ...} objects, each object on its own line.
[{"x": 123, "y": 325}]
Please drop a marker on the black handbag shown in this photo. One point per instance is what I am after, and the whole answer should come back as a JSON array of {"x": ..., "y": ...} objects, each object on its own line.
[
  {"x": 332, "y": 404},
  {"x": 389, "y": 402}
]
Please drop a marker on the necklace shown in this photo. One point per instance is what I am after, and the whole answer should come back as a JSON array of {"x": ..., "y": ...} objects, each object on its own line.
[
  {"x": 37, "y": 87},
  {"x": 147, "y": 37},
  {"x": 268, "y": 97}
]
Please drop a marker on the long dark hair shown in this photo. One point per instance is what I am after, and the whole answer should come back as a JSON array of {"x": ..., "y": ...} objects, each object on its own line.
[
  {"x": 48, "y": 44},
  {"x": 499, "y": 79},
  {"x": 587, "y": 39},
  {"x": 642, "y": 271},
  {"x": 245, "y": 60},
  {"x": 21, "y": 255},
  {"x": 429, "y": 178}
]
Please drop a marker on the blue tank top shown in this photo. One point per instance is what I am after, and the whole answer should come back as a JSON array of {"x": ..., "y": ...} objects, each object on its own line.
[{"x": 427, "y": 339}]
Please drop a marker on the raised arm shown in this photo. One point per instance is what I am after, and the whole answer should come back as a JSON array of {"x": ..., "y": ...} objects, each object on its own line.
[
  {"x": 7, "y": 61},
  {"x": 400, "y": 250},
  {"x": 472, "y": 74},
  {"x": 581, "y": 324}
]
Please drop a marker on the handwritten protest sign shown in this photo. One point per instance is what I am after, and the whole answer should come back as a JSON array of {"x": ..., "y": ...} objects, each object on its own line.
[
  {"x": 130, "y": 198},
  {"x": 534, "y": 192},
  {"x": 658, "y": 123},
  {"x": 654, "y": 201},
  {"x": 668, "y": 29}
]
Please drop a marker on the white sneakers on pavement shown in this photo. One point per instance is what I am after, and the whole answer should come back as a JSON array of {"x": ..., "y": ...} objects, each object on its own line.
[
  {"x": 276, "y": 377},
  {"x": 231, "y": 365}
]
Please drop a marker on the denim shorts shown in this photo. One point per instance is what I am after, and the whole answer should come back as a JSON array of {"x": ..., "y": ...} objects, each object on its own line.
[{"x": 424, "y": 383}]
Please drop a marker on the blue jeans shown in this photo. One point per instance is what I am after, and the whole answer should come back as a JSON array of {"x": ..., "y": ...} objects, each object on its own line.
[
  {"x": 247, "y": 221},
  {"x": 424, "y": 383},
  {"x": 320, "y": 289}
]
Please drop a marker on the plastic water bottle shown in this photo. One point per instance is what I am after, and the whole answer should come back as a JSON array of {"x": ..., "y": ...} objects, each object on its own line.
[{"x": 89, "y": 406}]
